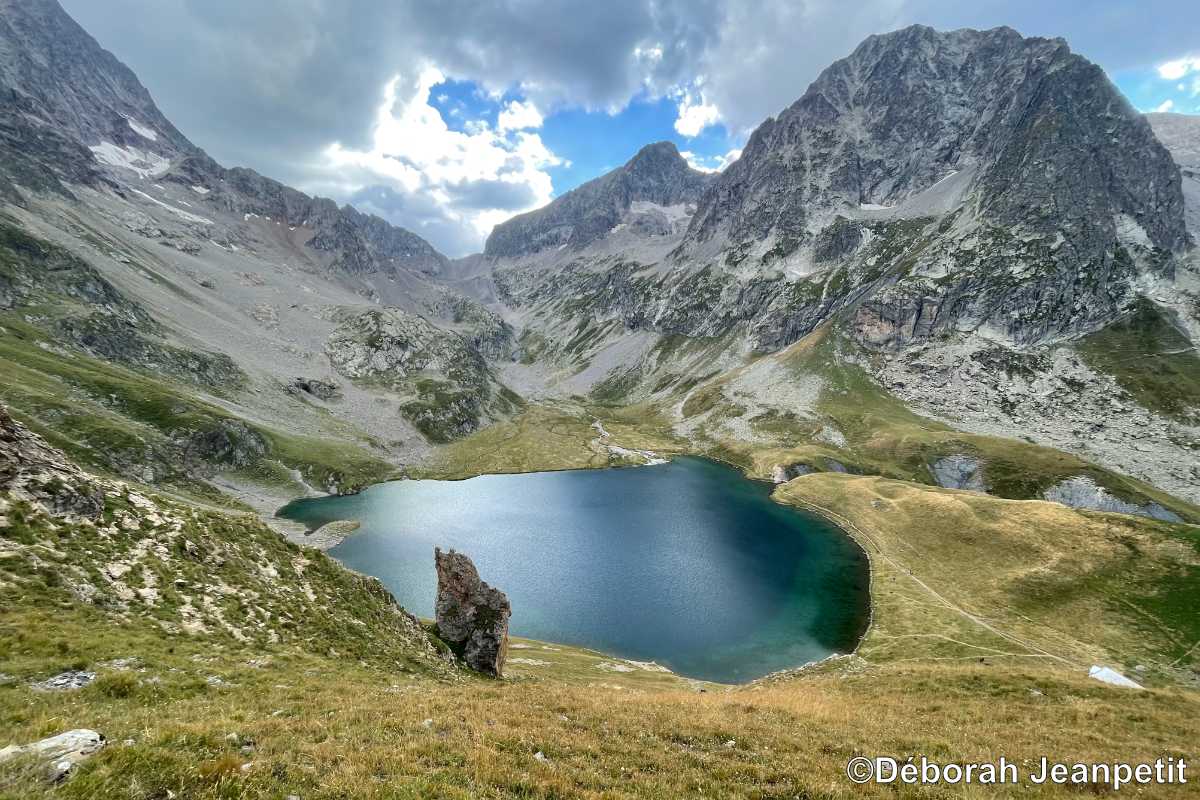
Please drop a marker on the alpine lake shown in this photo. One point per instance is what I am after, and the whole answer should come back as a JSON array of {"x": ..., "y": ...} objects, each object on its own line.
[{"x": 687, "y": 563}]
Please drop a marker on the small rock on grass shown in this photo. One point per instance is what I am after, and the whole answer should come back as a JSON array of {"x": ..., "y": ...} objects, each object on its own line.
[
  {"x": 61, "y": 752},
  {"x": 72, "y": 679}
]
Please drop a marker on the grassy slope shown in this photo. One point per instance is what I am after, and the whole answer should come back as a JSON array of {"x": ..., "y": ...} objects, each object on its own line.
[
  {"x": 105, "y": 415},
  {"x": 1151, "y": 359},
  {"x": 1051, "y": 584},
  {"x": 550, "y": 438}
]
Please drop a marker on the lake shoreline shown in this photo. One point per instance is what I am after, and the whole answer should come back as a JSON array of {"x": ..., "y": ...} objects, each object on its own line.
[{"x": 761, "y": 623}]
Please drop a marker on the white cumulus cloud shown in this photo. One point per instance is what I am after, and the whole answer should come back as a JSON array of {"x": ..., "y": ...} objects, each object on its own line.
[
  {"x": 1174, "y": 70},
  {"x": 1165, "y": 105},
  {"x": 518, "y": 116},
  {"x": 712, "y": 163},
  {"x": 447, "y": 185},
  {"x": 695, "y": 114}
]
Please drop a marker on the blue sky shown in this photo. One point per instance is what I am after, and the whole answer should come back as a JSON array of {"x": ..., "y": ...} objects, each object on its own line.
[
  {"x": 1151, "y": 90},
  {"x": 449, "y": 116},
  {"x": 590, "y": 142}
]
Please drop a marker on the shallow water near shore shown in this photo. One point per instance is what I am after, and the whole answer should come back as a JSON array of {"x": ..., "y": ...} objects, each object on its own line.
[{"x": 688, "y": 564}]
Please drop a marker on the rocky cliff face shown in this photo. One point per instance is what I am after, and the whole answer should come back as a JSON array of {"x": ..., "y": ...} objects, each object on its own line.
[
  {"x": 60, "y": 93},
  {"x": 1180, "y": 134},
  {"x": 1053, "y": 193},
  {"x": 32, "y": 471},
  {"x": 657, "y": 175},
  {"x": 1049, "y": 143},
  {"x": 471, "y": 616}
]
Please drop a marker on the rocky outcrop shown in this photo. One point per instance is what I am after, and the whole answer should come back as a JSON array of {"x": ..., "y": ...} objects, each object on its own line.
[
  {"x": 451, "y": 390},
  {"x": 322, "y": 390},
  {"x": 1082, "y": 492},
  {"x": 658, "y": 174},
  {"x": 390, "y": 344},
  {"x": 959, "y": 471},
  {"x": 782, "y": 473},
  {"x": 488, "y": 333},
  {"x": 472, "y": 617},
  {"x": 32, "y": 470}
]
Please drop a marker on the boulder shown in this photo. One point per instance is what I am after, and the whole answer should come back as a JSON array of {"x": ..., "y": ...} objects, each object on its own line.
[
  {"x": 472, "y": 617},
  {"x": 61, "y": 753}
]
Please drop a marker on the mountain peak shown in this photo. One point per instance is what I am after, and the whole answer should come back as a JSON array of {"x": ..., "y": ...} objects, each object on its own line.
[
  {"x": 657, "y": 174},
  {"x": 656, "y": 151},
  {"x": 908, "y": 109}
]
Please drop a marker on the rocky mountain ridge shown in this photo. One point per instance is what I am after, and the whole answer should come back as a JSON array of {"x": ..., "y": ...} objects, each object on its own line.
[
  {"x": 929, "y": 184},
  {"x": 657, "y": 176}
]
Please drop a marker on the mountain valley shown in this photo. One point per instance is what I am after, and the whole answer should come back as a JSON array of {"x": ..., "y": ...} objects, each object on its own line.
[{"x": 949, "y": 300}]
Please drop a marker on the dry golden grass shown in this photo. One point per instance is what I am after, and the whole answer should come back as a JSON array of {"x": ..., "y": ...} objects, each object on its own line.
[
  {"x": 540, "y": 438},
  {"x": 959, "y": 575},
  {"x": 326, "y": 731}
]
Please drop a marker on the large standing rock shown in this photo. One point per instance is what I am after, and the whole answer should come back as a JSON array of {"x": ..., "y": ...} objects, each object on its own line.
[{"x": 471, "y": 616}]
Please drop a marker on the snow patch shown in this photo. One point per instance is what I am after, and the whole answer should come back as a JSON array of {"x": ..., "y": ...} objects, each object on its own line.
[
  {"x": 1130, "y": 232},
  {"x": 200, "y": 190},
  {"x": 1111, "y": 676},
  {"x": 178, "y": 211},
  {"x": 142, "y": 162},
  {"x": 142, "y": 130}
]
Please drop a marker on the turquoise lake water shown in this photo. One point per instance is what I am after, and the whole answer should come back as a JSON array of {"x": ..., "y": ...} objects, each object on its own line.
[{"x": 687, "y": 563}]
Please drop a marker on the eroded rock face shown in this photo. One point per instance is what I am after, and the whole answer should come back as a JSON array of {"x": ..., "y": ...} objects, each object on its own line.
[
  {"x": 471, "y": 616},
  {"x": 1082, "y": 492},
  {"x": 959, "y": 471},
  {"x": 32, "y": 470}
]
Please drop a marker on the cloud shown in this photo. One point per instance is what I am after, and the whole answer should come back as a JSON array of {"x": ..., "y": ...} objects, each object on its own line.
[
  {"x": 1165, "y": 105},
  {"x": 712, "y": 163},
  {"x": 519, "y": 116},
  {"x": 447, "y": 185},
  {"x": 1174, "y": 70},
  {"x": 695, "y": 114}
]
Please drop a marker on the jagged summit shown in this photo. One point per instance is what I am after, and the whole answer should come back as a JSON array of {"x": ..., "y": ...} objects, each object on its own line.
[
  {"x": 657, "y": 174},
  {"x": 1026, "y": 132}
]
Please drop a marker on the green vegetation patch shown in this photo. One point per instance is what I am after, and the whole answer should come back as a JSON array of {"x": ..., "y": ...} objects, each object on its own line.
[{"x": 1151, "y": 359}]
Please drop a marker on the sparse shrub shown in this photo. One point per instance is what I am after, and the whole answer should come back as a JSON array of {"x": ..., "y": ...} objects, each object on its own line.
[{"x": 116, "y": 685}]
